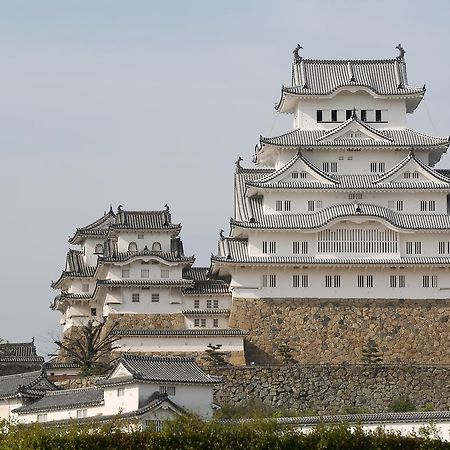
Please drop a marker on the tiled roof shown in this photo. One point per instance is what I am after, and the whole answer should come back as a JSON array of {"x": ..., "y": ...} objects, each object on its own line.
[
  {"x": 144, "y": 220},
  {"x": 391, "y": 138},
  {"x": 73, "y": 296},
  {"x": 189, "y": 332},
  {"x": 210, "y": 287},
  {"x": 206, "y": 312},
  {"x": 127, "y": 220},
  {"x": 164, "y": 282},
  {"x": 170, "y": 369},
  {"x": 20, "y": 349},
  {"x": 166, "y": 256},
  {"x": 196, "y": 273},
  {"x": 75, "y": 268},
  {"x": 384, "y": 417},
  {"x": 64, "y": 399},
  {"x": 11, "y": 385},
  {"x": 97, "y": 228},
  {"x": 313, "y": 77},
  {"x": 49, "y": 365},
  {"x": 323, "y": 217}
]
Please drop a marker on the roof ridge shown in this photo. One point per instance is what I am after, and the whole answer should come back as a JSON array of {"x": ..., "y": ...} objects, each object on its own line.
[{"x": 132, "y": 356}]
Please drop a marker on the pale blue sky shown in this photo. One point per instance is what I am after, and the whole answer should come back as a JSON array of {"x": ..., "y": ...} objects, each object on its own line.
[{"x": 143, "y": 103}]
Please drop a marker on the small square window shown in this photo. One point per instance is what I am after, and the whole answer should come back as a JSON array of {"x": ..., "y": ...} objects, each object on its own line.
[
  {"x": 140, "y": 236},
  {"x": 145, "y": 273},
  {"x": 216, "y": 323},
  {"x": 135, "y": 297},
  {"x": 164, "y": 273},
  {"x": 120, "y": 392},
  {"x": 42, "y": 418},
  {"x": 203, "y": 323},
  {"x": 196, "y": 303},
  {"x": 215, "y": 303},
  {"x": 125, "y": 273},
  {"x": 155, "y": 298},
  {"x": 208, "y": 303}
]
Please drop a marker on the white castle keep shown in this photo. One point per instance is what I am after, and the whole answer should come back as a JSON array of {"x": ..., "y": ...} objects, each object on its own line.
[{"x": 347, "y": 205}]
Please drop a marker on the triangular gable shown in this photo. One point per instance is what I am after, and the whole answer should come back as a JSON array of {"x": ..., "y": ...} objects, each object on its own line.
[
  {"x": 300, "y": 165},
  {"x": 354, "y": 129},
  {"x": 416, "y": 172},
  {"x": 120, "y": 371}
]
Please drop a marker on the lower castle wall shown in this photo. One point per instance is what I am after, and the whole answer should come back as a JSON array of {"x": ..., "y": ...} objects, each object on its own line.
[
  {"x": 336, "y": 331},
  {"x": 326, "y": 389}
]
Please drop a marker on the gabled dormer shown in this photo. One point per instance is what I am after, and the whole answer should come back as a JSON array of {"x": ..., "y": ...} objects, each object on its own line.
[
  {"x": 297, "y": 171},
  {"x": 412, "y": 170},
  {"x": 355, "y": 132}
]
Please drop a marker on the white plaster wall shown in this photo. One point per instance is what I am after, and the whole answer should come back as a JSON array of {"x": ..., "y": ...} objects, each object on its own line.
[
  {"x": 144, "y": 263},
  {"x": 89, "y": 244},
  {"x": 247, "y": 283},
  {"x": 223, "y": 321},
  {"x": 150, "y": 237},
  {"x": 181, "y": 344},
  {"x": 126, "y": 403},
  {"x": 405, "y": 429},
  {"x": 63, "y": 414},
  {"x": 189, "y": 301},
  {"x": 305, "y": 116},
  {"x": 299, "y": 200},
  {"x": 170, "y": 301},
  {"x": 7, "y": 405}
]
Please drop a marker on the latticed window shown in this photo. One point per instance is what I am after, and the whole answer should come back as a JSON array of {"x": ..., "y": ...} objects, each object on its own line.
[
  {"x": 429, "y": 281},
  {"x": 300, "y": 247},
  {"x": 269, "y": 280},
  {"x": 397, "y": 281},
  {"x": 216, "y": 323},
  {"x": 332, "y": 281},
  {"x": 196, "y": 303},
  {"x": 279, "y": 205},
  {"x": 365, "y": 281},
  {"x": 311, "y": 205},
  {"x": 215, "y": 303},
  {"x": 155, "y": 297},
  {"x": 357, "y": 240},
  {"x": 444, "y": 247},
  {"x": 300, "y": 281},
  {"x": 413, "y": 248},
  {"x": 269, "y": 247},
  {"x": 169, "y": 390},
  {"x": 135, "y": 297}
]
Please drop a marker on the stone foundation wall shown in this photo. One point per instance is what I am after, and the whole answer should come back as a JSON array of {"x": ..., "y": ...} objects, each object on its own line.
[
  {"x": 325, "y": 389},
  {"x": 336, "y": 331},
  {"x": 151, "y": 321}
]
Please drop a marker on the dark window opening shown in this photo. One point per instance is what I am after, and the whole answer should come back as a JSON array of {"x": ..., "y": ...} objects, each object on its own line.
[
  {"x": 378, "y": 115},
  {"x": 93, "y": 311},
  {"x": 348, "y": 114},
  {"x": 334, "y": 115},
  {"x": 319, "y": 115},
  {"x": 363, "y": 115}
]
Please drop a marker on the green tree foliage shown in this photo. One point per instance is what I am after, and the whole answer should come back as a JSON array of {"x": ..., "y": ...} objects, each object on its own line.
[
  {"x": 371, "y": 354},
  {"x": 189, "y": 433},
  {"x": 92, "y": 348},
  {"x": 214, "y": 357},
  {"x": 284, "y": 351}
]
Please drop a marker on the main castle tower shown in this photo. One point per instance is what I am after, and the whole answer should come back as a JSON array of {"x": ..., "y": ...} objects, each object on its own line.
[{"x": 341, "y": 229}]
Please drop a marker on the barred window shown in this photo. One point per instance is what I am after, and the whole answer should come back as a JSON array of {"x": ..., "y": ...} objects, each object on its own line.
[
  {"x": 155, "y": 297},
  {"x": 169, "y": 390},
  {"x": 269, "y": 280}
]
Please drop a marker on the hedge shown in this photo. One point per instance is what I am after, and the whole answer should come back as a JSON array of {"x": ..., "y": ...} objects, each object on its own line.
[{"x": 193, "y": 434}]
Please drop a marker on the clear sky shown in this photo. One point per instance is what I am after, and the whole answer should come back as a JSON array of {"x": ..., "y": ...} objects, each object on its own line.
[{"x": 143, "y": 103}]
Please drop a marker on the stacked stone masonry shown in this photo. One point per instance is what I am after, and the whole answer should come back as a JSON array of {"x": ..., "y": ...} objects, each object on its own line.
[
  {"x": 336, "y": 331},
  {"x": 326, "y": 389}
]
